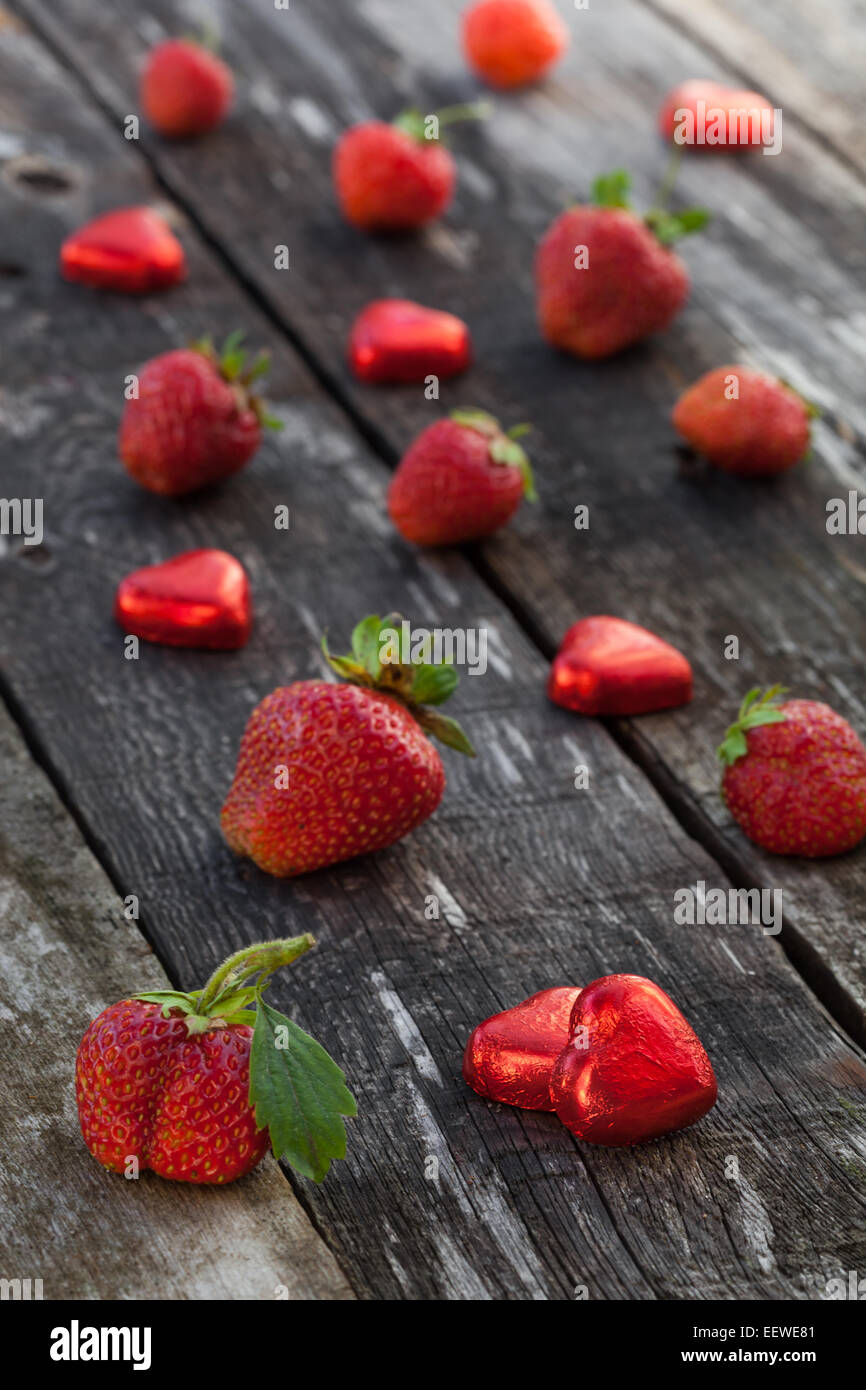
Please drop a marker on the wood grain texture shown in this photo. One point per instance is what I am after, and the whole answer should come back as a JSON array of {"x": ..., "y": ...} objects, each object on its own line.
[
  {"x": 809, "y": 58},
  {"x": 442, "y": 1195},
  {"x": 66, "y": 952},
  {"x": 778, "y": 282}
]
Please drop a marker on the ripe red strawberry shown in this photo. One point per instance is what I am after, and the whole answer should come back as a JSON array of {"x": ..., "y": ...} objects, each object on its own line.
[
  {"x": 198, "y": 599},
  {"x": 185, "y": 89},
  {"x": 181, "y": 1084},
  {"x": 795, "y": 776},
  {"x": 326, "y": 772},
  {"x": 745, "y": 421},
  {"x": 195, "y": 420},
  {"x": 395, "y": 177},
  {"x": 461, "y": 479},
  {"x": 716, "y": 116},
  {"x": 605, "y": 278},
  {"x": 131, "y": 249},
  {"x": 512, "y": 42},
  {"x": 398, "y": 340}
]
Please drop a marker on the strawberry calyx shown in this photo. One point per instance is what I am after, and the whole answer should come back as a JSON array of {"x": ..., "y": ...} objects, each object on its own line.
[
  {"x": 231, "y": 361},
  {"x": 376, "y": 662},
  {"x": 295, "y": 1088},
  {"x": 812, "y": 410},
  {"x": 425, "y": 128},
  {"x": 611, "y": 191},
  {"x": 756, "y": 709},
  {"x": 503, "y": 446}
]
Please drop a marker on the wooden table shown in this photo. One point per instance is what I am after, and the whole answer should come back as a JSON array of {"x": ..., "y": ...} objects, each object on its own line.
[{"x": 114, "y": 771}]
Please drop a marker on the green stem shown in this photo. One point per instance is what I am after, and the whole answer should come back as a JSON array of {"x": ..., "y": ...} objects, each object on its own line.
[
  {"x": 669, "y": 179},
  {"x": 262, "y": 959},
  {"x": 465, "y": 111}
]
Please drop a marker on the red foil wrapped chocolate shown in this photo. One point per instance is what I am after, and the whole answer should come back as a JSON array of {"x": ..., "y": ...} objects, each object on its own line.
[
  {"x": 611, "y": 666},
  {"x": 131, "y": 249},
  {"x": 198, "y": 599},
  {"x": 509, "y": 1057},
  {"x": 633, "y": 1068},
  {"x": 396, "y": 340}
]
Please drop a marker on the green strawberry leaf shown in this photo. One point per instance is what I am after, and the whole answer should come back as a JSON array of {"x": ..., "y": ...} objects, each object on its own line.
[
  {"x": 366, "y": 645},
  {"x": 669, "y": 227},
  {"x": 611, "y": 190},
  {"x": 299, "y": 1093},
  {"x": 433, "y": 685},
  {"x": 446, "y": 729},
  {"x": 756, "y": 709},
  {"x": 480, "y": 420},
  {"x": 170, "y": 999}
]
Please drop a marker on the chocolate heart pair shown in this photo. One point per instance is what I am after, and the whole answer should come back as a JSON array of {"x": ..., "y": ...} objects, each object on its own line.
[
  {"x": 617, "y": 1061},
  {"x": 198, "y": 599}
]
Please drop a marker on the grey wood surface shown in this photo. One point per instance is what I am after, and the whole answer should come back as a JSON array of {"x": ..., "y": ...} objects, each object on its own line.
[
  {"x": 778, "y": 283},
  {"x": 443, "y": 1195}
]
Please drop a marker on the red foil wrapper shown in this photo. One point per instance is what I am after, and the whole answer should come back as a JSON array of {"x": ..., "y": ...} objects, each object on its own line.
[
  {"x": 395, "y": 340},
  {"x": 633, "y": 1068},
  {"x": 509, "y": 1057},
  {"x": 131, "y": 249},
  {"x": 610, "y": 666},
  {"x": 198, "y": 599}
]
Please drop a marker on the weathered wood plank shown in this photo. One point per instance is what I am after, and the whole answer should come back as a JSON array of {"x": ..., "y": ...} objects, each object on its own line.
[
  {"x": 810, "y": 60},
  {"x": 778, "y": 282},
  {"x": 535, "y": 881},
  {"x": 67, "y": 952}
]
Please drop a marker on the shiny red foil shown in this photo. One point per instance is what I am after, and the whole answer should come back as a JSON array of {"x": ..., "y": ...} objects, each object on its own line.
[
  {"x": 395, "y": 340},
  {"x": 198, "y": 599},
  {"x": 131, "y": 249},
  {"x": 638, "y": 1070},
  {"x": 509, "y": 1057},
  {"x": 611, "y": 666}
]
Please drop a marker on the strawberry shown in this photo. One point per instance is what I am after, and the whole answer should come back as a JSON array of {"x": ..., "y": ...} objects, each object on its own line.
[
  {"x": 745, "y": 421},
  {"x": 395, "y": 177},
  {"x": 512, "y": 42},
  {"x": 605, "y": 278},
  {"x": 131, "y": 249},
  {"x": 398, "y": 340},
  {"x": 710, "y": 115},
  {"x": 195, "y": 419},
  {"x": 326, "y": 772},
  {"x": 185, "y": 89},
  {"x": 795, "y": 776},
  {"x": 198, "y": 599},
  {"x": 183, "y": 1085},
  {"x": 509, "y": 1057},
  {"x": 461, "y": 479},
  {"x": 610, "y": 666}
]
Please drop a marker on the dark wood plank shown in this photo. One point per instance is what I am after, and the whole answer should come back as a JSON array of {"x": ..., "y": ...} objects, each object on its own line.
[
  {"x": 535, "y": 881},
  {"x": 68, "y": 951},
  {"x": 778, "y": 282},
  {"x": 809, "y": 59}
]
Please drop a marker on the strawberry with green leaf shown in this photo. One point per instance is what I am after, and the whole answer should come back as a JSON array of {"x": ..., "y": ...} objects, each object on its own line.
[
  {"x": 326, "y": 772},
  {"x": 794, "y": 776},
  {"x": 196, "y": 418},
  {"x": 461, "y": 479},
  {"x": 196, "y": 1086},
  {"x": 606, "y": 277}
]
